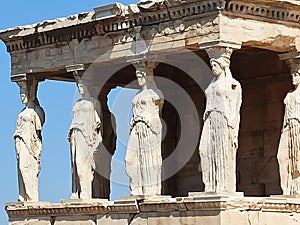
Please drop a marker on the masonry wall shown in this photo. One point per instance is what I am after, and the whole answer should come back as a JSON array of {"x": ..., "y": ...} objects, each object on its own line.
[{"x": 265, "y": 81}]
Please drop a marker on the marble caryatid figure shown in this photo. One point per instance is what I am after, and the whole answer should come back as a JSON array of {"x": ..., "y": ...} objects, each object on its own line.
[
  {"x": 143, "y": 157},
  {"x": 85, "y": 137},
  {"x": 289, "y": 145},
  {"x": 219, "y": 138},
  {"x": 28, "y": 141}
]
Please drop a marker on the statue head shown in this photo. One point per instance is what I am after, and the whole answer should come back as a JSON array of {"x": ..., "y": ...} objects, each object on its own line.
[
  {"x": 144, "y": 77},
  {"x": 24, "y": 96},
  {"x": 220, "y": 60},
  {"x": 296, "y": 76},
  {"x": 216, "y": 67},
  {"x": 141, "y": 75},
  {"x": 220, "y": 66},
  {"x": 83, "y": 88},
  {"x": 28, "y": 90}
]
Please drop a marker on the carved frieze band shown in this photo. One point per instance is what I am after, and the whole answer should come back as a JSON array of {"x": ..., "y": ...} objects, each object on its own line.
[
  {"x": 260, "y": 10},
  {"x": 265, "y": 205},
  {"x": 264, "y": 10}
]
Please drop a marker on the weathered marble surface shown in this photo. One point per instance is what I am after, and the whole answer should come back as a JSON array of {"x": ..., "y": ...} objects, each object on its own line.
[
  {"x": 143, "y": 156},
  {"x": 212, "y": 210},
  {"x": 289, "y": 145},
  {"x": 260, "y": 24},
  {"x": 84, "y": 137},
  {"x": 28, "y": 141},
  {"x": 219, "y": 138}
]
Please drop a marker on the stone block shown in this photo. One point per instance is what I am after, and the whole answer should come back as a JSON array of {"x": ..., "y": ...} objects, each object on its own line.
[
  {"x": 114, "y": 219},
  {"x": 75, "y": 220},
  {"x": 28, "y": 221}
]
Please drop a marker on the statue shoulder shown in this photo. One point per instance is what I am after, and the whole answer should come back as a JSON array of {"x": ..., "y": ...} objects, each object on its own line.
[
  {"x": 156, "y": 94},
  {"x": 292, "y": 94}
]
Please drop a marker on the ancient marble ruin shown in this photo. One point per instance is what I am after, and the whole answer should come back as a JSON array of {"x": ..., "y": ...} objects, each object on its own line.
[
  {"x": 143, "y": 156},
  {"x": 222, "y": 89},
  {"x": 219, "y": 139},
  {"x": 289, "y": 146},
  {"x": 85, "y": 138},
  {"x": 28, "y": 141}
]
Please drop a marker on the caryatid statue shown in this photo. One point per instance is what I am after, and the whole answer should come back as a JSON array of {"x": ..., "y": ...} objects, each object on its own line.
[
  {"x": 289, "y": 145},
  {"x": 143, "y": 156},
  {"x": 219, "y": 138},
  {"x": 85, "y": 137},
  {"x": 28, "y": 141}
]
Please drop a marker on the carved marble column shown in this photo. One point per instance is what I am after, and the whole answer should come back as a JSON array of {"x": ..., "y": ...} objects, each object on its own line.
[
  {"x": 84, "y": 135},
  {"x": 143, "y": 156},
  {"x": 219, "y": 138},
  {"x": 289, "y": 145},
  {"x": 28, "y": 138}
]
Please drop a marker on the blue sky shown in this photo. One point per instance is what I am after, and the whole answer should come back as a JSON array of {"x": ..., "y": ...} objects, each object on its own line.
[{"x": 57, "y": 99}]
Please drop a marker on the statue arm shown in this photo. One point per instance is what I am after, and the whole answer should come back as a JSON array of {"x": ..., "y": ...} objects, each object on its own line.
[
  {"x": 159, "y": 101},
  {"x": 234, "y": 103},
  {"x": 237, "y": 113},
  {"x": 298, "y": 106},
  {"x": 35, "y": 145},
  {"x": 38, "y": 125}
]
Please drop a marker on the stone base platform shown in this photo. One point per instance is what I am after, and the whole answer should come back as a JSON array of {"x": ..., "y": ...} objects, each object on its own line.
[{"x": 209, "y": 210}]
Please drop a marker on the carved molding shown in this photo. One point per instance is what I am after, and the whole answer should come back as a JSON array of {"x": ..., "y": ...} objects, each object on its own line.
[
  {"x": 55, "y": 209},
  {"x": 265, "y": 9},
  {"x": 149, "y": 61},
  {"x": 280, "y": 204},
  {"x": 56, "y": 33}
]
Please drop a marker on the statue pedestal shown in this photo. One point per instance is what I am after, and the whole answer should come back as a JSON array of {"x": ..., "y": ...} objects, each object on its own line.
[{"x": 209, "y": 210}]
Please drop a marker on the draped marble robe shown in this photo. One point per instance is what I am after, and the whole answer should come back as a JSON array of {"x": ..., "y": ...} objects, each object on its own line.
[
  {"x": 219, "y": 138},
  {"x": 85, "y": 137},
  {"x": 143, "y": 156},
  {"x": 289, "y": 145},
  {"x": 28, "y": 143}
]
